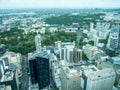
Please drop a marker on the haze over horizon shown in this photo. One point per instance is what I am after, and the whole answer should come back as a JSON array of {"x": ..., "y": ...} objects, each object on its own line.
[{"x": 15, "y": 4}]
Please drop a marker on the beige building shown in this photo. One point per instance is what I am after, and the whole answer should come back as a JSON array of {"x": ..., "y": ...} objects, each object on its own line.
[
  {"x": 70, "y": 78},
  {"x": 77, "y": 56},
  {"x": 3, "y": 87}
]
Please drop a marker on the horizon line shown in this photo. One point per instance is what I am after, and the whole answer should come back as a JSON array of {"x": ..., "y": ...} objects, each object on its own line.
[{"x": 61, "y": 8}]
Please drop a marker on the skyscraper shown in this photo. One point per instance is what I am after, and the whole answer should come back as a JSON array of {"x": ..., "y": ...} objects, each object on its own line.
[
  {"x": 77, "y": 55},
  {"x": 91, "y": 26},
  {"x": 39, "y": 69},
  {"x": 38, "y": 43},
  {"x": 42, "y": 64},
  {"x": 39, "y": 66},
  {"x": 70, "y": 53},
  {"x": 66, "y": 51},
  {"x": 63, "y": 53},
  {"x": 96, "y": 40},
  {"x": 33, "y": 70},
  {"x": 113, "y": 41}
]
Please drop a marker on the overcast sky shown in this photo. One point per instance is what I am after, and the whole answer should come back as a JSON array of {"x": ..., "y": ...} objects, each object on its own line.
[{"x": 59, "y": 3}]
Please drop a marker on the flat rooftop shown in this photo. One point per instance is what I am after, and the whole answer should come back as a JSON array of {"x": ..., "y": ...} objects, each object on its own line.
[
  {"x": 8, "y": 76},
  {"x": 89, "y": 69},
  {"x": 58, "y": 81},
  {"x": 70, "y": 72},
  {"x": 106, "y": 64},
  {"x": 101, "y": 74}
]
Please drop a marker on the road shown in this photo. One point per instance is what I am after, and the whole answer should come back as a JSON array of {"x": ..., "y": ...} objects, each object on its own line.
[{"x": 24, "y": 78}]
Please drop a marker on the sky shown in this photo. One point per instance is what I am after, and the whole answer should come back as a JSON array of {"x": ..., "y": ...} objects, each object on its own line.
[{"x": 11, "y": 4}]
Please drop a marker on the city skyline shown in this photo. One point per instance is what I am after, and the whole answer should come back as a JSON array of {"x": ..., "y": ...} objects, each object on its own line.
[{"x": 15, "y": 4}]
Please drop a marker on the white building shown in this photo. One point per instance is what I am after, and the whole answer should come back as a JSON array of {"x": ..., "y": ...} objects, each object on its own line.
[
  {"x": 91, "y": 52},
  {"x": 103, "y": 33},
  {"x": 38, "y": 43},
  {"x": 71, "y": 29},
  {"x": 56, "y": 74},
  {"x": 58, "y": 46},
  {"x": 94, "y": 79},
  {"x": 96, "y": 40},
  {"x": 69, "y": 55},
  {"x": 102, "y": 30},
  {"x": 113, "y": 40},
  {"x": 61, "y": 48},
  {"x": 42, "y": 30},
  {"x": 91, "y": 26},
  {"x": 53, "y": 29},
  {"x": 1, "y": 68}
]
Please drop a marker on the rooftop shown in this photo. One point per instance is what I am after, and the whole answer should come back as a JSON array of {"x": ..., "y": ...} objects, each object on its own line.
[
  {"x": 115, "y": 28},
  {"x": 116, "y": 58},
  {"x": 70, "y": 72},
  {"x": 2, "y": 87},
  {"x": 34, "y": 87},
  {"x": 118, "y": 71},
  {"x": 102, "y": 74},
  {"x": 88, "y": 46},
  {"x": 58, "y": 81},
  {"x": 106, "y": 64},
  {"x": 8, "y": 76},
  {"x": 89, "y": 69}
]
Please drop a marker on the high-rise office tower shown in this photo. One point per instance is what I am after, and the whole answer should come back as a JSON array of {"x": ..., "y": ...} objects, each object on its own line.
[
  {"x": 43, "y": 75},
  {"x": 33, "y": 70},
  {"x": 39, "y": 66},
  {"x": 39, "y": 69},
  {"x": 77, "y": 55},
  {"x": 66, "y": 51},
  {"x": 38, "y": 43},
  {"x": 63, "y": 53},
  {"x": 113, "y": 41},
  {"x": 91, "y": 26},
  {"x": 69, "y": 53},
  {"x": 96, "y": 40}
]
